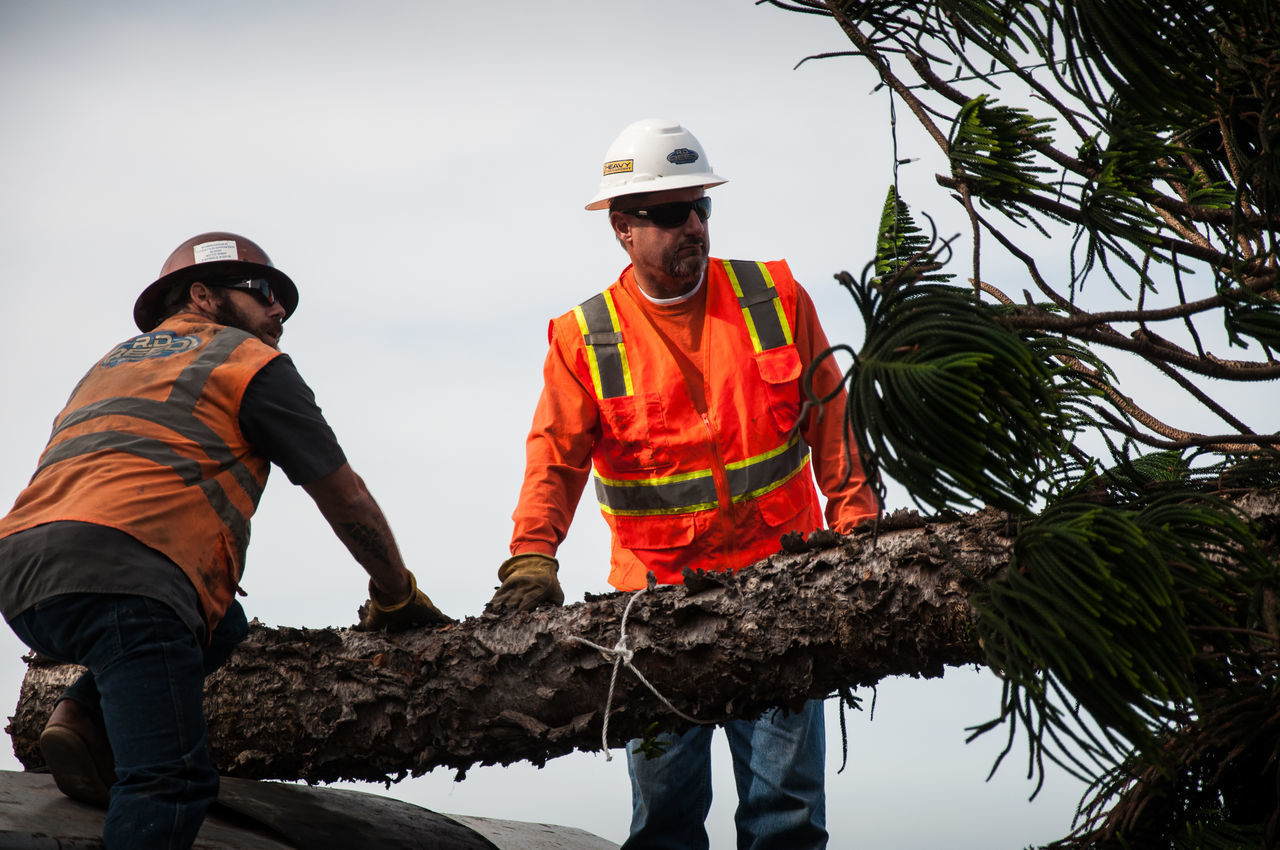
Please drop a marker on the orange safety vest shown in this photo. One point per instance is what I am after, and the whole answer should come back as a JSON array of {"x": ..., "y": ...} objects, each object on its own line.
[
  {"x": 679, "y": 488},
  {"x": 150, "y": 444}
]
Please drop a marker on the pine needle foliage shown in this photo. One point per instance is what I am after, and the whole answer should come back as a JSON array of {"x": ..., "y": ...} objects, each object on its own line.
[
  {"x": 903, "y": 252},
  {"x": 992, "y": 145},
  {"x": 1137, "y": 628},
  {"x": 1098, "y": 603},
  {"x": 989, "y": 411}
]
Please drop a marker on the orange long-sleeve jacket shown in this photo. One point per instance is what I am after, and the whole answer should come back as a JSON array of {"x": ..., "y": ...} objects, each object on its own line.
[{"x": 568, "y": 430}]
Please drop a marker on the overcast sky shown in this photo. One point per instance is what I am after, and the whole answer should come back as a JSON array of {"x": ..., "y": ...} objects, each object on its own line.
[{"x": 419, "y": 169}]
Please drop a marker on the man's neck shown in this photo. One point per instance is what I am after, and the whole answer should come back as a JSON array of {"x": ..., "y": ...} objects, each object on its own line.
[
  {"x": 689, "y": 292},
  {"x": 666, "y": 291}
]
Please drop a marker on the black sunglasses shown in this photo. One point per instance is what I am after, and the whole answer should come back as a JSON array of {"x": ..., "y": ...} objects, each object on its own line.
[
  {"x": 258, "y": 286},
  {"x": 673, "y": 214}
]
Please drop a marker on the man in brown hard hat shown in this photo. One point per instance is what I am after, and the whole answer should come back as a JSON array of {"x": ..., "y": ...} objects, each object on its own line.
[{"x": 125, "y": 551}]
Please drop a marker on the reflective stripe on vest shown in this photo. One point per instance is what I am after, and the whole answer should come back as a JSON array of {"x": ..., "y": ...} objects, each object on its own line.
[
  {"x": 606, "y": 354},
  {"x": 177, "y": 414},
  {"x": 761, "y": 307},
  {"x": 696, "y": 491}
]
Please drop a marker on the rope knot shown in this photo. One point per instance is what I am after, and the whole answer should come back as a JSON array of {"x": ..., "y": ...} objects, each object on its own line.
[{"x": 623, "y": 654}]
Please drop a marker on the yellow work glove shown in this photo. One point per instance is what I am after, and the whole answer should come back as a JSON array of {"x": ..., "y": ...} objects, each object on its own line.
[
  {"x": 415, "y": 610},
  {"x": 527, "y": 582}
]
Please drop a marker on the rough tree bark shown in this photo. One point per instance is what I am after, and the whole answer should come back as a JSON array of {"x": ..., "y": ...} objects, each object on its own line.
[{"x": 832, "y": 612}]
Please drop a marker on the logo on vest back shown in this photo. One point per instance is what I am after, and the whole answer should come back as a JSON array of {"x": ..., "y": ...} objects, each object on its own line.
[
  {"x": 682, "y": 156},
  {"x": 154, "y": 344}
]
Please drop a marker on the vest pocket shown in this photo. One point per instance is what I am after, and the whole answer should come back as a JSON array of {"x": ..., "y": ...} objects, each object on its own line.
[
  {"x": 784, "y": 504},
  {"x": 636, "y": 425},
  {"x": 780, "y": 369},
  {"x": 666, "y": 532}
]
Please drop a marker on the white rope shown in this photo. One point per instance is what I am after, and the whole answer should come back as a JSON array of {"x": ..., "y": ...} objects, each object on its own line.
[{"x": 622, "y": 654}]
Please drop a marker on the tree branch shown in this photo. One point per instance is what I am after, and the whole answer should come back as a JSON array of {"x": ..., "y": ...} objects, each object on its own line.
[{"x": 334, "y": 704}]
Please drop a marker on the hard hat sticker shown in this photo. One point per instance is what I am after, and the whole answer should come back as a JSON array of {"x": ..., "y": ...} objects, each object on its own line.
[
  {"x": 619, "y": 166},
  {"x": 682, "y": 156},
  {"x": 208, "y": 252}
]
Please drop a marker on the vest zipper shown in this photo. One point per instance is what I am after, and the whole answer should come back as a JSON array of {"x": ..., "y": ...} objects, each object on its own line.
[{"x": 724, "y": 497}]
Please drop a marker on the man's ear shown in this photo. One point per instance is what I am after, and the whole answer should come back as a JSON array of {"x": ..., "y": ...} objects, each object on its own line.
[
  {"x": 621, "y": 225},
  {"x": 201, "y": 295}
]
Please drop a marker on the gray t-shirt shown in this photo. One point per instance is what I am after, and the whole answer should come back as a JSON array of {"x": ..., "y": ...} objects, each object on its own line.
[{"x": 278, "y": 416}]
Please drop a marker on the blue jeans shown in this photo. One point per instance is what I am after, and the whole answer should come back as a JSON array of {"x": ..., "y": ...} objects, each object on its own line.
[
  {"x": 778, "y": 766},
  {"x": 146, "y": 677}
]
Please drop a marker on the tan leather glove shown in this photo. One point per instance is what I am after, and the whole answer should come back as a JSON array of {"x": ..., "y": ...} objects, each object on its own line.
[
  {"x": 527, "y": 581},
  {"x": 415, "y": 610}
]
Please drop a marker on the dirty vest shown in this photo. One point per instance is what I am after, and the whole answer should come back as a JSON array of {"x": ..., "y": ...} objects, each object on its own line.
[
  {"x": 150, "y": 444},
  {"x": 679, "y": 488}
]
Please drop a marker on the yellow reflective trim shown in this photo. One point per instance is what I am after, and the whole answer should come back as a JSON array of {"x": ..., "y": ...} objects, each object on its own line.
[
  {"x": 777, "y": 305},
  {"x": 626, "y": 368},
  {"x": 655, "y": 482},
  {"x": 622, "y": 348},
  {"x": 768, "y": 488},
  {"x": 687, "y": 509},
  {"x": 782, "y": 321},
  {"x": 746, "y": 311},
  {"x": 613, "y": 311},
  {"x": 785, "y": 447},
  {"x": 751, "y": 329},
  {"x": 764, "y": 273},
  {"x": 733, "y": 278},
  {"x": 591, "y": 353}
]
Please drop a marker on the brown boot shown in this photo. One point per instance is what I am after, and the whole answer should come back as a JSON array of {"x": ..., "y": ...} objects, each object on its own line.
[{"x": 75, "y": 747}]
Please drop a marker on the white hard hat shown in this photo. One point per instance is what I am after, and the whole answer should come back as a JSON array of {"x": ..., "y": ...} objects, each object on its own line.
[{"x": 653, "y": 155}]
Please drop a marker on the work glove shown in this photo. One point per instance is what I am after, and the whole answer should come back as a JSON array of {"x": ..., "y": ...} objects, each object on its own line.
[
  {"x": 527, "y": 582},
  {"x": 415, "y": 610}
]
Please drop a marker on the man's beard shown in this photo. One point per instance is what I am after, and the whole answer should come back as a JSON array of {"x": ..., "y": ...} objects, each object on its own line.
[
  {"x": 686, "y": 267},
  {"x": 226, "y": 313}
]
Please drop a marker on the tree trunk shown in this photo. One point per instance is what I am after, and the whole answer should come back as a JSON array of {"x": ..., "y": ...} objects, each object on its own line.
[{"x": 825, "y": 614}]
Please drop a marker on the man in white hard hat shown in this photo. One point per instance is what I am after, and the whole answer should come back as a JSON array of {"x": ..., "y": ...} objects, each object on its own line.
[
  {"x": 125, "y": 551},
  {"x": 681, "y": 385}
]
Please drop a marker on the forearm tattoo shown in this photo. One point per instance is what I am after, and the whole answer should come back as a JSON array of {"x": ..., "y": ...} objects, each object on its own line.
[{"x": 368, "y": 540}]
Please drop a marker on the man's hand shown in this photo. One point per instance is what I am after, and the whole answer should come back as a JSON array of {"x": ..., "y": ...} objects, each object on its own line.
[
  {"x": 414, "y": 610},
  {"x": 527, "y": 581}
]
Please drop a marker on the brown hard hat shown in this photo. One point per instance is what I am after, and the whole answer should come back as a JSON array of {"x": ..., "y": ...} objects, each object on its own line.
[{"x": 211, "y": 256}]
